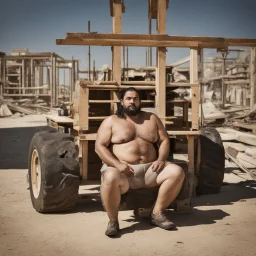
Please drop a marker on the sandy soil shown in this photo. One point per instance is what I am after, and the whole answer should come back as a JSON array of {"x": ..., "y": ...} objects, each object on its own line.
[{"x": 221, "y": 224}]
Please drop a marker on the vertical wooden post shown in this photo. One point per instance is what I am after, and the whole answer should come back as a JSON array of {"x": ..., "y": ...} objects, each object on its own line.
[
  {"x": 70, "y": 84},
  {"x": 4, "y": 74},
  {"x": 41, "y": 77},
  {"x": 1, "y": 76},
  {"x": 52, "y": 81},
  {"x": 253, "y": 77},
  {"x": 73, "y": 74},
  {"x": 83, "y": 126},
  {"x": 89, "y": 54},
  {"x": 94, "y": 71},
  {"x": 195, "y": 90},
  {"x": 32, "y": 74},
  {"x": 127, "y": 63},
  {"x": 117, "y": 29},
  {"x": 20, "y": 80},
  {"x": 77, "y": 70},
  {"x": 83, "y": 158},
  {"x": 201, "y": 85},
  {"x": 83, "y": 109},
  {"x": 23, "y": 84},
  {"x": 224, "y": 87},
  {"x": 160, "y": 100},
  {"x": 191, "y": 165},
  {"x": 150, "y": 32},
  {"x": 57, "y": 84}
]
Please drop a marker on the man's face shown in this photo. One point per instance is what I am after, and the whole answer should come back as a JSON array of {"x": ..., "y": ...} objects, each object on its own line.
[{"x": 131, "y": 103}]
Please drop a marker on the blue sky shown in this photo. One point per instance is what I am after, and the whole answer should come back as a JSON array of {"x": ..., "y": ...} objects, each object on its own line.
[{"x": 36, "y": 24}]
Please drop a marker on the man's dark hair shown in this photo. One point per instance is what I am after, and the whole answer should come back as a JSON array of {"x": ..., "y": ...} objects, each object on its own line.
[{"x": 120, "y": 109}]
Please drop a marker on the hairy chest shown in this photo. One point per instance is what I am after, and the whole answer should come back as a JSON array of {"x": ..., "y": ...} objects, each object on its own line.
[{"x": 123, "y": 132}]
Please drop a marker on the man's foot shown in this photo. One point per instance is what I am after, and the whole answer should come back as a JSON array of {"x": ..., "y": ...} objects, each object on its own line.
[
  {"x": 112, "y": 229},
  {"x": 161, "y": 221}
]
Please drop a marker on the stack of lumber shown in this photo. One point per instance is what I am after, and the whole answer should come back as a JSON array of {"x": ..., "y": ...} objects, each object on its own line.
[
  {"x": 24, "y": 107},
  {"x": 240, "y": 148}
]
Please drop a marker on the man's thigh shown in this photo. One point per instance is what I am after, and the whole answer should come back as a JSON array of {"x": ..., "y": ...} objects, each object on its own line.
[{"x": 153, "y": 179}]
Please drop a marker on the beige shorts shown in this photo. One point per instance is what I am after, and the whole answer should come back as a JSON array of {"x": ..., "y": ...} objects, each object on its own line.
[{"x": 143, "y": 176}]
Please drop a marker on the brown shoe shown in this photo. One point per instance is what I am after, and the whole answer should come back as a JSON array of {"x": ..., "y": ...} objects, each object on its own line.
[
  {"x": 112, "y": 229},
  {"x": 161, "y": 221}
]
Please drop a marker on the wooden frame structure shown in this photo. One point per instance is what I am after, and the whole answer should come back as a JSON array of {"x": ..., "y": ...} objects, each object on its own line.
[
  {"x": 29, "y": 71},
  {"x": 161, "y": 41}
]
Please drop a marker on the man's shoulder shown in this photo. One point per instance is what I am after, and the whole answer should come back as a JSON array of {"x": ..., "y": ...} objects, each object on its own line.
[
  {"x": 112, "y": 118},
  {"x": 147, "y": 114}
]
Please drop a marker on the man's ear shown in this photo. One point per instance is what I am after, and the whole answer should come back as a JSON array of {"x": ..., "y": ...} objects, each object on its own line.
[{"x": 122, "y": 103}]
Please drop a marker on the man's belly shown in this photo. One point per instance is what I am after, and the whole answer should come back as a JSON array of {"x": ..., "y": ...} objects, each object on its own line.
[{"x": 135, "y": 152}]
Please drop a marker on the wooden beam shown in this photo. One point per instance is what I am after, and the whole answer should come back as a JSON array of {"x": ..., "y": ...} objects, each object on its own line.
[
  {"x": 191, "y": 165},
  {"x": 195, "y": 90},
  {"x": 253, "y": 77},
  {"x": 111, "y": 2},
  {"x": 116, "y": 53},
  {"x": 84, "y": 109},
  {"x": 160, "y": 98},
  {"x": 153, "y": 8},
  {"x": 140, "y": 40}
]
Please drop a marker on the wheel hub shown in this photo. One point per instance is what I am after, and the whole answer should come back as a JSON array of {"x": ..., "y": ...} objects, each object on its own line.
[{"x": 35, "y": 173}]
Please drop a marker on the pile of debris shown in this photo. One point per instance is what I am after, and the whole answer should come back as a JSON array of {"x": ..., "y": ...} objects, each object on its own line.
[
  {"x": 22, "y": 107},
  {"x": 240, "y": 148}
]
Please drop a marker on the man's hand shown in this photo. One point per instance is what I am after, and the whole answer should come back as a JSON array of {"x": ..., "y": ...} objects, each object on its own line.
[
  {"x": 125, "y": 169},
  {"x": 158, "y": 166}
]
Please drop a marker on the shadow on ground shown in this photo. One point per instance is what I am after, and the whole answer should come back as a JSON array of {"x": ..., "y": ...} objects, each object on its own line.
[{"x": 229, "y": 194}]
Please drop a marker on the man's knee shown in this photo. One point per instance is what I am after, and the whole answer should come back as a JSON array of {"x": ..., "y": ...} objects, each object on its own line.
[
  {"x": 176, "y": 172},
  {"x": 111, "y": 176}
]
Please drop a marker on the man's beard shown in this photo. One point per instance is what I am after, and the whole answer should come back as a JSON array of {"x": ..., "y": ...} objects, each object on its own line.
[{"x": 131, "y": 112}]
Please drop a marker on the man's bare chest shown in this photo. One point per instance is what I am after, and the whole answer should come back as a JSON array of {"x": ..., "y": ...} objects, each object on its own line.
[{"x": 123, "y": 132}]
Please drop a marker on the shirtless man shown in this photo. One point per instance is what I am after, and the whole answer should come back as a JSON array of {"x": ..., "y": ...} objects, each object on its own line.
[{"x": 125, "y": 143}]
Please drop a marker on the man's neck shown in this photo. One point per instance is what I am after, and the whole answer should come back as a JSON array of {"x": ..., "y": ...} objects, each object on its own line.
[{"x": 133, "y": 118}]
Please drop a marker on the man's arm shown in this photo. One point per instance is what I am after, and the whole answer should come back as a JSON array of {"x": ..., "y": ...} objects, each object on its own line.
[
  {"x": 164, "y": 146},
  {"x": 102, "y": 143}
]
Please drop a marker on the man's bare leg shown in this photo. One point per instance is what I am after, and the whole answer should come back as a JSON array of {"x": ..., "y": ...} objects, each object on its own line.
[
  {"x": 170, "y": 180},
  {"x": 114, "y": 185}
]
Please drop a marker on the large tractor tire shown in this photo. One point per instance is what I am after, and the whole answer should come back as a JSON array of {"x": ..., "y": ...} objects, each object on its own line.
[
  {"x": 210, "y": 161},
  {"x": 53, "y": 172}
]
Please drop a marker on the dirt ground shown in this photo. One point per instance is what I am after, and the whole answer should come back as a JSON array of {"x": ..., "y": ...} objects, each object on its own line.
[{"x": 221, "y": 224}]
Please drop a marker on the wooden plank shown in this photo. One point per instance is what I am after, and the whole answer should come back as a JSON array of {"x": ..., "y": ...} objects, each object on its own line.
[
  {"x": 116, "y": 54},
  {"x": 152, "y": 40},
  {"x": 114, "y": 87},
  {"x": 23, "y": 88},
  {"x": 84, "y": 109},
  {"x": 238, "y": 146},
  {"x": 246, "y": 158},
  {"x": 160, "y": 97},
  {"x": 194, "y": 90},
  {"x": 184, "y": 132},
  {"x": 60, "y": 119},
  {"x": 138, "y": 83},
  {"x": 253, "y": 77},
  {"x": 241, "y": 166},
  {"x": 25, "y": 95},
  {"x": 191, "y": 166},
  {"x": 83, "y": 158},
  {"x": 236, "y": 135},
  {"x": 237, "y": 82}
]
